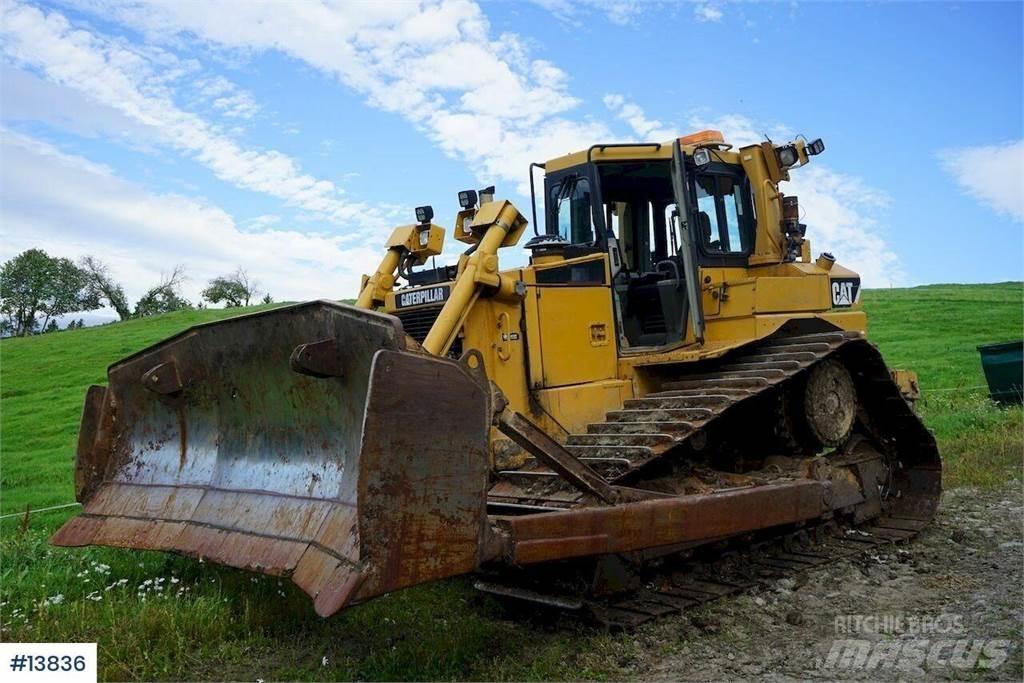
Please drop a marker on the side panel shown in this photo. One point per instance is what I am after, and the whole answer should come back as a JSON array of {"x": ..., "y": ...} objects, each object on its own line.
[
  {"x": 576, "y": 323},
  {"x": 577, "y": 406},
  {"x": 782, "y": 294}
]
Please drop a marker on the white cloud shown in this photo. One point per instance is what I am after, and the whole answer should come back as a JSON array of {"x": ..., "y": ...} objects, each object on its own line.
[
  {"x": 141, "y": 234},
  {"x": 621, "y": 12},
  {"x": 991, "y": 174},
  {"x": 631, "y": 113},
  {"x": 26, "y": 97},
  {"x": 707, "y": 12},
  {"x": 227, "y": 98},
  {"x": 134, "y": 81},
  {"x": 479, "y": 96}
]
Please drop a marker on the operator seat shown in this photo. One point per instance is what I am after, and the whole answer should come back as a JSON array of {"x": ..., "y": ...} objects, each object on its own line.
[{"x": 704, "y": 230}]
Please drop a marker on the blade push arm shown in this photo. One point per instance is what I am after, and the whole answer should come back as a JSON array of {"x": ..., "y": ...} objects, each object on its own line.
[
  {"x": 412, "y": 244},
  {"x": 499, "y": 224}
]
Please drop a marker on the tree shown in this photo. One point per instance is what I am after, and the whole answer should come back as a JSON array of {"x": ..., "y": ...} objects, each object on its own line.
[
  {"x": 69, "y": 291},
  {"x": 33, "y": 284},
  {"x": 103, "y": 286},
  {"x": 165, "y": 297},
  {"x": 24, "y": 283},
  {"x": 234, "y": 290},
  {"x": 52, "y": 327},
  {"x": 267, "y": 299}
]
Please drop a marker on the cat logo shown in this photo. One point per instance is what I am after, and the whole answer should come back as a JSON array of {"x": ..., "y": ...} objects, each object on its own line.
[
  {"x": 844, "y": 292},
  {"x": 419, "y": 297}
]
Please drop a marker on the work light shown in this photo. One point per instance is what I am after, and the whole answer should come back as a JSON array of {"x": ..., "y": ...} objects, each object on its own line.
[
  {"x": 787, "y": 156},
  {"x": 467, "y": 199},
  {"x": 424, "y": 214}
]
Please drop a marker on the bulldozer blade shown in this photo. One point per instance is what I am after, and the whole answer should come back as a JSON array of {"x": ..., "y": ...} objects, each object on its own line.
[{"x": 302, "y": 442}]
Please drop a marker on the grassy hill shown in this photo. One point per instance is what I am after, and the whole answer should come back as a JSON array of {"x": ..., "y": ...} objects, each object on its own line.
[
  {"x": 42, "y": 385},
  {"x": 216, "y": 623}
]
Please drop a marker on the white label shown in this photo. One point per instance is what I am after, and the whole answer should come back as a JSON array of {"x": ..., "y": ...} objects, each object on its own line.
[
  {"x": 65, "y": 662},
  {"x": 419, "y": 297}
]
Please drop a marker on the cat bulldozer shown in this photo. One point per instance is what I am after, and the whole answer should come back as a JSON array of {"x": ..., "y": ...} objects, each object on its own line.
[{"x": 672, "y": 377}]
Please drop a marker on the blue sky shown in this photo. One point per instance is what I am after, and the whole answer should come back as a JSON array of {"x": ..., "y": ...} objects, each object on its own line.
[{"x": 290, "y": 138}]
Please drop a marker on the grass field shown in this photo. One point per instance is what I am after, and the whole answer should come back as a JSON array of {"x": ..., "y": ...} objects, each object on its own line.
[{"x": 157, "y": 616}]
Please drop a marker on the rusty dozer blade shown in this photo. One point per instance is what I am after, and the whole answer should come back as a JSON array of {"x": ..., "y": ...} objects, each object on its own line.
[{"x": 304, "y": 441}]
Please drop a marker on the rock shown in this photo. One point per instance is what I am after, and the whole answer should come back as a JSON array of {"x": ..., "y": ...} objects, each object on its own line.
[
  {"x": 785, "y": 584},
  {"x": 959, "y": 536},
  {"x": 795, "y": 618},
  {"x": 703, "y": 623}
]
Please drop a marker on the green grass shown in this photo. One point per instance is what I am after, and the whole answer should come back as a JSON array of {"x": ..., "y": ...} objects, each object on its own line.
[
  {"x": 42, "y": 384},
  {"x": 194, "y": 621},
  {"x": 935, "y": 330}
]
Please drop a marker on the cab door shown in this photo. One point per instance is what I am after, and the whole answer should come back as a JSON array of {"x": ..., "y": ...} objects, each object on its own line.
[{"x": 575, "y": 322}]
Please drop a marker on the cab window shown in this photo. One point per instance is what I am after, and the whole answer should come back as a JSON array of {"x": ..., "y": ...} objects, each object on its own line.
[
  {"x": 570, "y": 201},
  {"x": 722, "y": 224}
]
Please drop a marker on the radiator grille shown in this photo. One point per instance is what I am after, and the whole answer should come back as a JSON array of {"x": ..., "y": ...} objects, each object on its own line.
[{"x": 417, "y": 324}]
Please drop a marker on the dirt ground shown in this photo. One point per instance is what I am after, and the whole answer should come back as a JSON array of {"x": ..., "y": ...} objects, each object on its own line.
[{"x": 948, "y": 606}]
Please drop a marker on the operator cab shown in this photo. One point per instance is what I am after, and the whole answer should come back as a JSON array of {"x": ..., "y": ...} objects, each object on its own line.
[{"x": 628, "y": 208}]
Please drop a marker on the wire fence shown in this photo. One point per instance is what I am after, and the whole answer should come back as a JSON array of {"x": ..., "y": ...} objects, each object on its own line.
[
  {"x": 972, "y": 388},
  {"x": 30, "y": 511}
]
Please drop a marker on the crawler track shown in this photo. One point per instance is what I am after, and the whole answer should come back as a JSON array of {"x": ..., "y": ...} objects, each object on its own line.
[
  {"x": 696, "y": 583},
  {"x": 682, "y": 583},
  {"x": 714, "y": 402}
]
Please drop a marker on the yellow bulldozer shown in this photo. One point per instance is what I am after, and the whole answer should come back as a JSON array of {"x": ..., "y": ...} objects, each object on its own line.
[{"x": 673, "y": 379}]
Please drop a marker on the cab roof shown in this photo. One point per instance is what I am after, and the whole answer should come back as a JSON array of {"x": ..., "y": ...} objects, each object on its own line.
[{"x": 642, "y": 151}]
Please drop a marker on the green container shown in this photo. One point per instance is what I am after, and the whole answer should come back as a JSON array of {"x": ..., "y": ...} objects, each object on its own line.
[{"x": 1004, "y": 370}]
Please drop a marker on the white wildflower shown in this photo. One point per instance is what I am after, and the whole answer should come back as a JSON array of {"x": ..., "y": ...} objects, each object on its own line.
[{"x": 53, "y": 600}]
